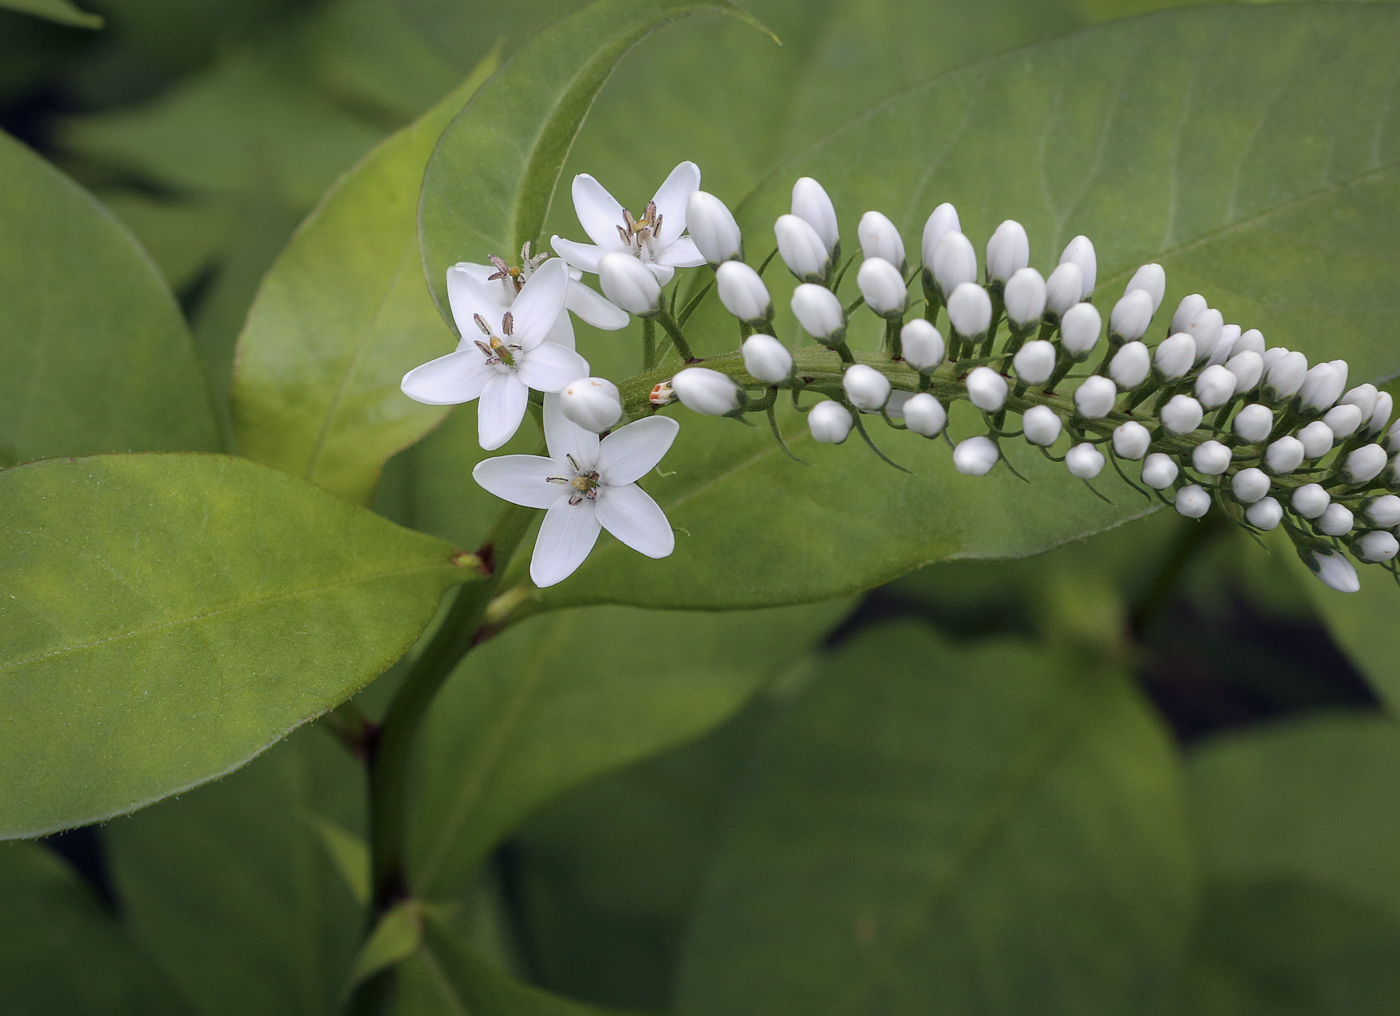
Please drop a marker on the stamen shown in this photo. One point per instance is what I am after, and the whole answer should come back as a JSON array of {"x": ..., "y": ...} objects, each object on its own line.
[
  {"x": 508, "y": 323},
  {"x": 502, "y": 269},
  {"x": 481, "y": 323}
]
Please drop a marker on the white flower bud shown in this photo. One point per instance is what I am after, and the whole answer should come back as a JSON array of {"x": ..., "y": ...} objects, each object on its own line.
[
  {"x": 1250, "y": 341},
  {"x": 810, "y": 202},
  {"x": 883, "y": 287},
  {"x": 1210, "y": 458},
  {"x": 1340, "y": 366},
  {"x": 711, "y": 225},
  {"x": 1192, "y": 501},
  {"x": 591, "y": 402},
  {"x": 1084, "y": 461},
  {"x": 1363, "y": 397},
  {"x": 1079, "y": 329},
  {"x": 1321, "y": 388},
  {"x": 976, "y": 456},
  {"x": 1130, "y": 365},
  {"x": 829, "y": 422},
  {"x": 1381, "y": 415},
  {"x": 1205, "y": 328},
  {"x": 1384, "y": 511},
  {"x": 1254, "y": 422},
  {"x": 1365, "y": 464},
  {"x": 1158, "y": 471},
  {"x": 1310, "y": 500},
  {"x": 1248, "y": 368},
  {"x": 922, "y": 345},
  {"x": 1008, "y": 251},
  {"x": 1215, "y": 386},
  {"x": 1337, "y": 520},
  {"x": 943, "y": 220},
  {"x": 1225, "y": 346},
  {"x": 1041, "y": 425},
  {"x": 954, "y": 262},
  {"x": 1095, "y": 397},
  {"x": 1273, "y": 355},
  {"x": 801, "y": 248},
  {"x": 986, "y": 389},
  {"x": 865, "y": 386},
  {"x": 923, "y": 414},
  {"x": 767, "y": 359},
  {"x": 1024, "y": 297},
  {"x": 1284, "y": 377},
  {"x": 1283, "y": 456},
  {"x": 1335, "y": 571},
  {"x": 743, "y": 293},
  {"x": 1317, "y": 439},
  {"x": 1131, "y": 315},
  {"x": 1392, "y": 437},
  {"x": 1265, "y": 514},
  {"x": 880, "y": 239},
  {"x": 708, "y": 391},
  {"x": 1035, "y": 362},
  {"x": 1175, "y": 356},
  {"x": 629, "y": 284},
  {"x": 969, "y": 309},
  {"x": 1186, "y": 310},
  {"x": 1063, "y": 289},
  {"x": 1131, "y": 440},
  {"x": 1151, "y": 279},
  {"x": 1080, "y": 253},
  {"x": 819, "y": 311},
  {"x": 1250, "y": 485},
  {"x": 1182, "y": 414},
  {"x": 1376, "y": 547}
]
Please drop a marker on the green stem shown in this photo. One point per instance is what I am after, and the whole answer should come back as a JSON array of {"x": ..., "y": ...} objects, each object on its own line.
[
  {"x": 648, "y": 344},
  {"x": 677, "y": 336},
  {"x": 894, "y": 345}
]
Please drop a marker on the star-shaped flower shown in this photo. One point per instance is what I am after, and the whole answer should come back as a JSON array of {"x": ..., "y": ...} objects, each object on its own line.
[
  {"x": 654, "y": 239},
  {"x": 586, "y": 484},
  {"x": 503, "y": 353}
]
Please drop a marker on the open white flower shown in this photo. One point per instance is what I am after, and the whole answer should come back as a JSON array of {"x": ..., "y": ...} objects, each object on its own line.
[
  {"x": 654, "y": 238},
  {"x": 503, "y": 353},
  {"x": 586, "y": 484}
]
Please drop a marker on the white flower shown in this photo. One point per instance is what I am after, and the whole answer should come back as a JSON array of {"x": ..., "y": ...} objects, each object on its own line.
[
  {"x": 944, "y": 219},
  {"x": 969, "y": 309},
  {"x": 1008, "y": 251},
  {"x": 708, "y": 391},
  {"x": 1063, "y": 288},
  {"x": 1249, "y": 485},
  {"x": 1159, "y": 471},
  {"x": 1284, "y": 455},
  {"x": 1131, "y": 315},
  {"x": 811, "y": 202},
  {"x": 654, "y": 239},
  {"x": 1080, "y": 253},
  {"x": 865, "y": 386},
  {"x": 742, "y": 292},
  {"x": 1335, "y": 571},
  {"x": 1084, "y": 461},
  {"x": 1079, "y": 329},
  {"x": 986, "y": 389},
  {"x": 1311, "y": 500},
  {"x": 976, "y": 456},
  {"x": 1024, "y": 297},
  {"x": 510, "y": 357},
  {"x": 1035, "y": 362},
  {"x": 829, "y": 422},
  {"x": 880, "y": 239},
  {"x": 506, "y": 283},
  {"x": 1192, "y": 501},
  {"x": 1175, "y": 355},
  {"x": 713, "y": 228},
  {"x": 922, "y": 344},
  {"x": 1131, "y": 440},
  {"x": 1041, "y": 425},
  {"x": 585, "y": 484},
  {"x": 819, "y": 311},
  {"x": 925, "y": 415},
  {"x": 767, "y": 359},
  {"x": 1265, "y": 514},
  {"x": 1182, "y": 414},
  {"x": 1151, "y": 279},
  {"x": 591, "y": 402},
  {"x": 1376, "y": 546},
  {"x": 1211, "y": 458},
  {"x": 883, "y": 287},
  {"x": 1130, "y": 365},
  {"x": 1317, "y": 439},
  {"x": 1095, "y": 397},
  {"x": 1254, "y": 422},
  {"x": 801, "y": 248},
  {"x": 629, "y": 284},
  {"x": 954, "y": 262}
]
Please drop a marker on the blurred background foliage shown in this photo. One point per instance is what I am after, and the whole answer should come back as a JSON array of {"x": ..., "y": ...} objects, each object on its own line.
[{"x": 1151, "y": 771}]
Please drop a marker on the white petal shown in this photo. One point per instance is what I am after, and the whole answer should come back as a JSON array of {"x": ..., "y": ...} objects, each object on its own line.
[
  {"x": 521, "y": 479},
  {"x": 562, "y": 334},
  {"x": 549, "y": 368},
  {"x": 663, "y": 273},
  {"x": 583, "y": 256},
  {"x": 594, "y": 308},
  {"x": 672, "y": 198},
  {"x": 457, "y": 377},
  {"x": 566, "y": 536},
  {"x": 598, "y": 212},
  {"x": 681, "y": 253},
  {"x": 566, "y": 438},
  {"x": 467, "y": 297},
  {"x": 501, "y": 289},
  {"x": 630, "y": 452},
  {"x": 629, "y": 513},
  {"x": 540, "y": 303},
  {"x": 500, "y": 410}
]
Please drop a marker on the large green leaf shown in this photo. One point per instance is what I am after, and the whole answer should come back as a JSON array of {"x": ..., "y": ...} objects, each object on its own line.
[
  {"x": 94, "y": 355},
  {"x": 930, "y": 828},
  {"x": 340, "y": 318},
  {"x": 232, "y": 891},
  {"x": 489, "y": 184},
  {"x": 1262, "y": 180},
  {"x": 570, "y": 696},
  {"x": 166, "y": 617},
  {"x": 63, "y": 11},
  {"x": 62, "y": 954}
]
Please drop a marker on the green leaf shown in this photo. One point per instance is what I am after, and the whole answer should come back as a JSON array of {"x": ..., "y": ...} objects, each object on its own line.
[
  {"x": 1261, "y": 180},
  {"x": 1311, "y": 799},
  {"x": 166, "y": 617},
  {"x": 489, "y": 184},
  {"x": 567, "y": 697},
  {"x": 63, "y": 11},
  {"x": 340, "y": 318},
  {"x": 932, "y": 828},
  {"x": 232, "y": 892},
  {"x": 348, "y": 852},
  {"x": 62, "y": 954},
  {"x": 94, "y": 355},
  {"x": 395, "y": 938}
]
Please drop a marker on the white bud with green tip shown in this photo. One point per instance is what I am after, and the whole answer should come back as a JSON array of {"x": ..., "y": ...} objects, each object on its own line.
[
  {"x": 923, "y": 414},
  {"x": 882, "y": 287},
  {"x": 801, "y": 248},
  {"x": 1080, "y": 253},
  {"x": 1084, "y": 461},
  {"x": 811, "y": 202},
  {"x": 1159, "y": 471},
  {"x": 1249, "y": 485},
  {"x": 711, "y": 225},
  {"x": 629, "y": 284},
  {"x": 829, "y": 422},
  {"x": 767, "y": 359},
  {"x": 1192, "y": 501},
  {"x": 1265, "y": 514},
  {"x": 986, "y": 389},
  {"x": 880, "y": 239},
  {"x": 1041, "y": 425},
  {"x": 1008, "y": 251},
  {"x": 708, "y": 391},
  {"x": 1130, "y": 365},
  {"x": 1131, "y": 440},
  {"x": 1034, "y": 362},
  {"x": 1310, "y": 500},
  {"x": 1024, "y": 297},
  {"x": 976, "y": 456},
  {"x": 922, "y": 345},
  {"x": 866, "y": 387}
]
